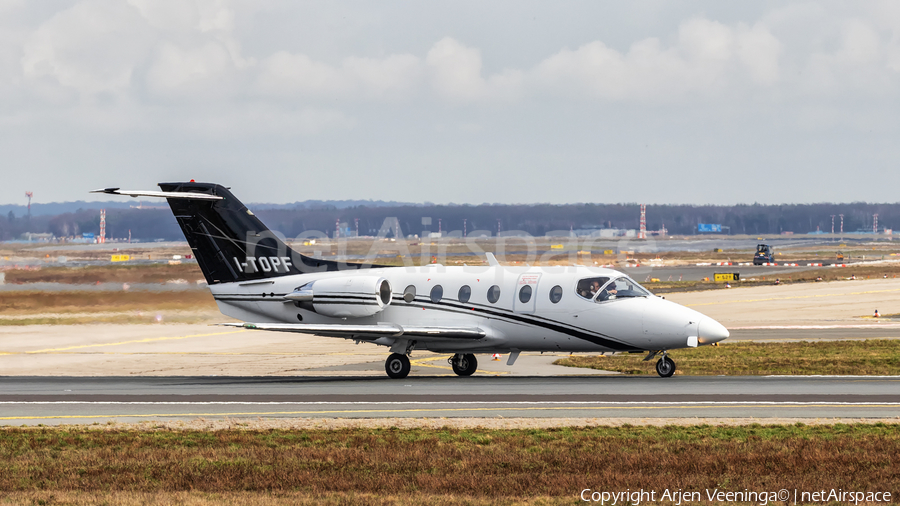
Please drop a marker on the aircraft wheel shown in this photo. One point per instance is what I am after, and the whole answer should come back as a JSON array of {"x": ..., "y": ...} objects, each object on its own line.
[
  {"x": 397, "y": 366},
  {"x": 665, "y": 367},
  {"x": 464, "y": 365}
]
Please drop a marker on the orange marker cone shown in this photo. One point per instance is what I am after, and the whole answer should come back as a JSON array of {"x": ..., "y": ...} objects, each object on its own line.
[
  {"x": 876, "y": 314},
  {"x": 495, "y": 357}
]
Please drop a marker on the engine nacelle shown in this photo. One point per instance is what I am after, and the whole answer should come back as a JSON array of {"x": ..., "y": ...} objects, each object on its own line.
[{"x": 344, "y": 297}]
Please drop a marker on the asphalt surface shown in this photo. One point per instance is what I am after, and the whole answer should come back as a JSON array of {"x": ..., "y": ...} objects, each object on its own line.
[
  {"x": 66, "y": 400},
  {"x": 823, "y": 332}
]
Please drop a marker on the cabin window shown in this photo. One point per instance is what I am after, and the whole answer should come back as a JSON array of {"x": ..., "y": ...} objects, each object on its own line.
[
  {"x": 587, "y": 288},
  {"x": 525, "y": 294},
  {"x": 493, "y": 294},
  {"x": 464, "y": 293},
  {"x": 409, "y": 294},
  {"x": 621, "y": 288},
  {"x": 437, "y": 293},
  {"x": 556, "y": 294}
]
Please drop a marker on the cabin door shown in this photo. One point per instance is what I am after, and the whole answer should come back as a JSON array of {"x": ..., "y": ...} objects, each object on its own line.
[{"x": 526, "y": 293}]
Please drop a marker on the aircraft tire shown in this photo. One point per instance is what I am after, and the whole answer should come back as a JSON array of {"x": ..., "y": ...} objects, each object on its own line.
[
  {"x": 464, "y": 365},
  {"x": 665, "y": 367},
  {"x": 397, "y": 366}
]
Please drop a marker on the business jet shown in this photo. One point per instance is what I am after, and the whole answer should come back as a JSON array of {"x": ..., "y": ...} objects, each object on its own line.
[{"x": 464, "y": 310}]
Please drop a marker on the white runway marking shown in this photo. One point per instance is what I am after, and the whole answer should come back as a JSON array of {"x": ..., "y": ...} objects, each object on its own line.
[
  {"x": 432, "y": 403},
  {"x": 821, "y": 327}
]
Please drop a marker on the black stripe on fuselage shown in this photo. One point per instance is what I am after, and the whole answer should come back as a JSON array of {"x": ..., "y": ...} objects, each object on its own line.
[
  {"x": 502, "y": 312},
  {"x": 537, "y": 321},
  {"x": 270, "y": 296},
  {"x": 318, "y": 302}
]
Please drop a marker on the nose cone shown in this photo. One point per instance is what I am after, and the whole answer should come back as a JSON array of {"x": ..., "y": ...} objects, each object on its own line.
[{"x": 711, "y": 331}]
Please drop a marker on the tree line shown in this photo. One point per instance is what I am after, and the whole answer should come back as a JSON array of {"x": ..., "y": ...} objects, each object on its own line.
[{"x": 537, "y": 219}]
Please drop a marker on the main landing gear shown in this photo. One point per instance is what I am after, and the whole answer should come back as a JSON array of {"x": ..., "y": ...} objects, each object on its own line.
[
  {"x": 665, "y": 367},
  {"x": 397, "y": 366},
  {"x": 463, "y": 365}
]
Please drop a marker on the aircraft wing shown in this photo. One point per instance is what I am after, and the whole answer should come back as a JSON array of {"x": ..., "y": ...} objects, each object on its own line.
[{"x": 368, "y": 332}]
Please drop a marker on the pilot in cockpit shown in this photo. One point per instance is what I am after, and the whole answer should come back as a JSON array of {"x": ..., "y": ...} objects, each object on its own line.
[{"x": 608, "y": 292}]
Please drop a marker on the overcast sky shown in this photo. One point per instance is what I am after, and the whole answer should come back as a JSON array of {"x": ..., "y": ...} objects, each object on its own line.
[{"x": 464, "y": 101}]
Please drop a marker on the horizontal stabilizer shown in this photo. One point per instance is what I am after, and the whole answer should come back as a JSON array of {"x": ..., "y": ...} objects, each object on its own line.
[
  {"x": 368, "y": 331},
  {"x": 152, "y": 193}
]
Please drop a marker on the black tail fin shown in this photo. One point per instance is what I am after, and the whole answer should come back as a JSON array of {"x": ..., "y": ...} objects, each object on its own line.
[{"x": 231, "y": 244}]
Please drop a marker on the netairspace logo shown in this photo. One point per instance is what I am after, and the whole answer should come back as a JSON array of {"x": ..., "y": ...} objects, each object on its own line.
[{"x": 762, "y": 498}]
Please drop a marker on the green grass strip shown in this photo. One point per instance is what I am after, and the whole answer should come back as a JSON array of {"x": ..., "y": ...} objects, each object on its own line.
[{"x": 868, "y": 357}]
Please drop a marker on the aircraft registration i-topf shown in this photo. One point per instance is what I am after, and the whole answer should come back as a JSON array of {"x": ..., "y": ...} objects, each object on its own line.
[{"x": 256, "y": 278}]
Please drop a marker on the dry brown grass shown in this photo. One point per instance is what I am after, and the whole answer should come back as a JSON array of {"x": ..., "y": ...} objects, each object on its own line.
[
  {"x": 23, "y": 303},
  {"x": 475, "y": 465},
  {"x": 75, "y": 308},
  {"x": 115, "y": 273},
  {"x": 65, "y": 498}
]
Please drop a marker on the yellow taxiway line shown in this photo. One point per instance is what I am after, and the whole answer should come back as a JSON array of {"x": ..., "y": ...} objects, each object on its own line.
[
  {"x": 447, "y": 410},
  {"x": 421, "y": 362},
  {"x": 136, "y": 341}
]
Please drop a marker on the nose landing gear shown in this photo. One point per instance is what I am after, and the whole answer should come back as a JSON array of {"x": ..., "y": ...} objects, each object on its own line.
[
  {"x": 665, "y": 366},
  {"x": 463, "y": 365}
]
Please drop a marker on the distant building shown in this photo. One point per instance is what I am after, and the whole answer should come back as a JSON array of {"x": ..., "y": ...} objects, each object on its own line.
[
  {"x": 610, "y": 233},
  {"x": 37, "y": 237}
]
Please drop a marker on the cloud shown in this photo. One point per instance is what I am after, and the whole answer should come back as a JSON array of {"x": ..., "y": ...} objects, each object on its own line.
[
  {"x": 862, "y": 62},
  {"x": 389, "y": 76},
  {"x": 456, "y": 74},
  {"x": 859, "y": 44},
  {"x": 456, "y": 70},
  {"x": 759, "y": 51},
  {"x": 708, "y": 57},
  {"x": 295, "y": 75},
  {"x": 706, "y": 41},
  {"x": 186, "y": 15},
  {"x": 286, "y": 74},
  {"x": 190, "y": 49},
  {"x": 266, "y": 121},
  {"x": 200, "y": 72},
  {"x": 92, "y": 47}
]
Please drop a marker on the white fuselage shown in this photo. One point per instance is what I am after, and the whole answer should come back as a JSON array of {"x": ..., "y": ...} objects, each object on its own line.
[{"x": 572, "y": 324}]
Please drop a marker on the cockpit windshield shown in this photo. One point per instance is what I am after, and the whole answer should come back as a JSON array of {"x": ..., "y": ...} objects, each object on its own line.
[
  {"x": 588, "y": 287},
  {"x": 621, "y": 288}
]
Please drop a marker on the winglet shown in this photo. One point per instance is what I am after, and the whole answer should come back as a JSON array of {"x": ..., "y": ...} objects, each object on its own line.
[{"x": 491, "y": 259}]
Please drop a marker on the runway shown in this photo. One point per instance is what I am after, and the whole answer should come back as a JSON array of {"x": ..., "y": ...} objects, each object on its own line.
[{"x": 71, "y": 400}]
